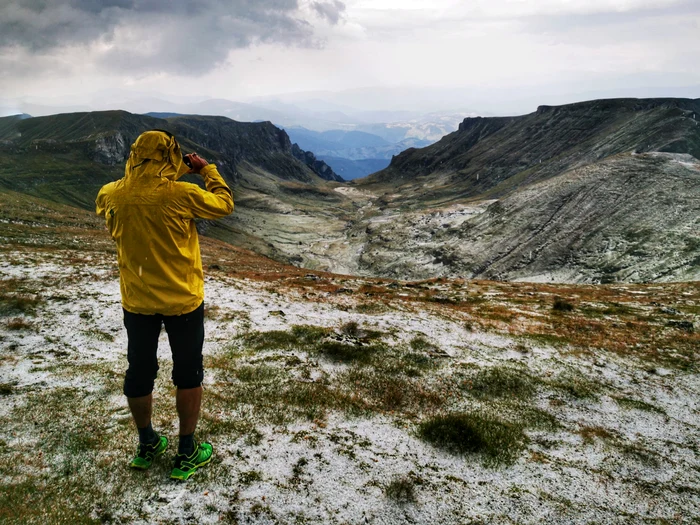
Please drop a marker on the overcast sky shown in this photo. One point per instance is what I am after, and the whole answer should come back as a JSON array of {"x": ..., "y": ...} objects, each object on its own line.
[{"x": 239, "y": 50}]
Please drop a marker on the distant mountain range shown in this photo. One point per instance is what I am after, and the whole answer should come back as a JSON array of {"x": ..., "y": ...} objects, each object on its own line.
[{"x": 352, "y": 154}]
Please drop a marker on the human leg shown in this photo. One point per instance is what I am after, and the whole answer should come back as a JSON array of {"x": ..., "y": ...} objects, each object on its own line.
[
  {"x": 143, "y": 332},
  {"x": 188, "y": 401},
  {"x": 141, "y": 409},
  {"x": 186, "y": 336}
]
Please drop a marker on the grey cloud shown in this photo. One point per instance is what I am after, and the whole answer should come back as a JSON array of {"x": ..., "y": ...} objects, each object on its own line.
[
  {"x": 331, "y": 11},
  {"x": 174, "y": 36},
  {"x": 561, "y": 23}
]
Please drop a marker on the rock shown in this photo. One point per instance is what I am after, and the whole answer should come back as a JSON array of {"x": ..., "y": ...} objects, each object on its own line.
[
  {"x": 686, "y": 326},
  {"x": 670, "y": 311}
]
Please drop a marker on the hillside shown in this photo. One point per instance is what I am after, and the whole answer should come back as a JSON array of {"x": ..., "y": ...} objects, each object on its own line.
[
  {"x": 491, "y": 157},
  {"x": 334, "y": 399},
  {"x": 67, "y": 158},
  {"x": 630, "y": 218}
]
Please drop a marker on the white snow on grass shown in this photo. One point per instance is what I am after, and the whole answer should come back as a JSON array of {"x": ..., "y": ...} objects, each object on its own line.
[{"x": 607, "y": 462}]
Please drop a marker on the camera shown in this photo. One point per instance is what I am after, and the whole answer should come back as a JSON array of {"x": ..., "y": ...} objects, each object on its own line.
[{"x": 187, "y": 161}]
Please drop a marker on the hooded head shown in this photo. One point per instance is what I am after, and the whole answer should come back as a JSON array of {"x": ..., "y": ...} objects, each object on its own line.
[{"x": 156, "y": 153}]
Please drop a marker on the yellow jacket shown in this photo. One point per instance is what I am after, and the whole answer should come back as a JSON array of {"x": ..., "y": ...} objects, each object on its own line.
[{"x": 150, "y": 215}]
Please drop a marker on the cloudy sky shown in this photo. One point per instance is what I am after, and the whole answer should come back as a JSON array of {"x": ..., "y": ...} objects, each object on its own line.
[{"x": 243, "y": 49}]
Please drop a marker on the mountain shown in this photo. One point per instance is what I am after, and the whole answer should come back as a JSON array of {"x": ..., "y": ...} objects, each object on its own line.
[
  {"x": 490, "y": 157},
  {"x": 630, "y": 217},
  {"x": 68, "y": 157},
  {"x": 318, "y": 166},
  {"x": 598, "y": 191},
  {"x": 352, "y": 153},
  {"x": 335, "y": 139},
  {"x": 353, "y": 145}
]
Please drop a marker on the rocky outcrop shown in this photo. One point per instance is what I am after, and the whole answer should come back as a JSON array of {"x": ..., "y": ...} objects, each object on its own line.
[
  {"x": 110, "y": 148},
  {"x": 258, "y": 144},
  {"x": 319, "y": 167}
]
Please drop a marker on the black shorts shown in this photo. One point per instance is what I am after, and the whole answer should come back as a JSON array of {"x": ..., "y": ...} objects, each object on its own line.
[{"x": 186, "y": 336}]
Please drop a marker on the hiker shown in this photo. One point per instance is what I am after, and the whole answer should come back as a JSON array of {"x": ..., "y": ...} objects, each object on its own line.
[{"x": 150, "y": 215}]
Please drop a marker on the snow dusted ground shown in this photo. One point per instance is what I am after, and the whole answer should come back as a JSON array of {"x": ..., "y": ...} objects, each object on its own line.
[{"x": 605, "y": 462}]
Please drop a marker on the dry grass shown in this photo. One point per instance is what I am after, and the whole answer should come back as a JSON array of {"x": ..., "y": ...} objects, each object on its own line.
[{"x": 19, "y": 323}]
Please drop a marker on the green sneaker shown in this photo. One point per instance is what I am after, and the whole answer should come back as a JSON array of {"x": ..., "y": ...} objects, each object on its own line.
[
  {"x": 145, "y": 454},
  {"x": 186, "y": 465}
]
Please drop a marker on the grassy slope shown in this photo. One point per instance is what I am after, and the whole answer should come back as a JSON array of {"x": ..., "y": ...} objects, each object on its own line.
[{"x": 55, "y": 158}]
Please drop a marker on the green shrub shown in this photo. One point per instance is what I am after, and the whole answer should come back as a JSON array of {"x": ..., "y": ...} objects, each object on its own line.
[{"x": 401, "y": 490}]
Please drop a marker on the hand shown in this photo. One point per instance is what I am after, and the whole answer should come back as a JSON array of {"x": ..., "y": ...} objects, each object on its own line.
[{"x": 197, "y": 163}]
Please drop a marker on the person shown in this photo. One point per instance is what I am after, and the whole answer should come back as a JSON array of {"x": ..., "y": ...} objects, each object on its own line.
[{"x": 150, "y": 216}]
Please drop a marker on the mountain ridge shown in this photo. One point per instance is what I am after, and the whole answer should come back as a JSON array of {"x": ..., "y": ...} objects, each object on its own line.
[{"x": 492, "y": 156}]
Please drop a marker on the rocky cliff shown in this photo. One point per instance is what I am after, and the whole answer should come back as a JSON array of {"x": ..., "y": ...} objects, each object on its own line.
[{"x": 319, "y": 167}]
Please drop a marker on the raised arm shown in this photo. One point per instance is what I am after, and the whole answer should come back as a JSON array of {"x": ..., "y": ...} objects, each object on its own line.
[{"x": 217, "y": 200}]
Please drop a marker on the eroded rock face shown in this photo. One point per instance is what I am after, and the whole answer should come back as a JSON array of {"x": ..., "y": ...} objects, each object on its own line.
[
  {"x": 111, "y": 148},
  {"x": 319, "y": 167}
]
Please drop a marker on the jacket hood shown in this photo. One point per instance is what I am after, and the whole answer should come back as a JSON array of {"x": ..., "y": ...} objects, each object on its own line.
[{"x": 156, "y": 153}]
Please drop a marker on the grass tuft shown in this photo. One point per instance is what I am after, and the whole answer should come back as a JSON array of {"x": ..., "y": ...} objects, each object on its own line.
[
  {"x": 401, "y": 490},
  {"x": 496, "y": 441},
  {"x": 18, "y": 304},
  {"x": 249, "y": 477},
  {"x": 19, "y": 324},
  {"x": 561, "y": 305},
  {"x": 575, "y": 386},
  {"x": 630, "y": 403},
  {"x": 502, "y": 383},
  {"x": 348, "y": 353},
  {"x": 300, "y": 336}
]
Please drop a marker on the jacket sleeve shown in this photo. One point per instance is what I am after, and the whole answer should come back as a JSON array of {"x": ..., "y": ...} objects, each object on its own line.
[
  {"x": 215, "y": 202},
  {"x": 100, "y": 203}
]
